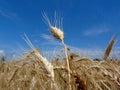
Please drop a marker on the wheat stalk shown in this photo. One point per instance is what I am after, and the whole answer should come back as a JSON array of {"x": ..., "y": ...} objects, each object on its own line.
[
  {"x": 59, "y": 34},
  {"x": 32, "y": 85}
]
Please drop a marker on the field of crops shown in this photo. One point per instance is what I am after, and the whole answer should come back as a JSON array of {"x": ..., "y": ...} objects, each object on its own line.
[
  {"x": 33, "y": 72},
  {"x": 70, "y": 71}
]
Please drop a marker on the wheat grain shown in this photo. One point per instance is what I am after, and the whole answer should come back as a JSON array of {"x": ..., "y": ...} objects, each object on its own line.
[
  {"x": 57, "y": 33},
  {"x": 55, "y": 29}
]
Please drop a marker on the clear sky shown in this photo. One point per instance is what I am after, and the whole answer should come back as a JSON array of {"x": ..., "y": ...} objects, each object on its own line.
[{"x": 88, "y": 24}]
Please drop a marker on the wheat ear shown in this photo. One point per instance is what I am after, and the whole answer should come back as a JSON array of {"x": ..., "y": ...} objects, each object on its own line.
[
  {"x": 48, "y": 66},
  {"x": 109, "y": 48}
]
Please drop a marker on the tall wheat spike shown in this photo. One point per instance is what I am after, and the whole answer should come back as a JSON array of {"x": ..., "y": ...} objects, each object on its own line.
[
  {"x": 109, "y": 48},
  {"x": 47, "y": 64},
  {"x": 59, "y": 34}
]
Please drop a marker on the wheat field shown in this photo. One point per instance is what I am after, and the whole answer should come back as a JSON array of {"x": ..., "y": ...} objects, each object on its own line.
[
  {"x": 30, "y": 73},
  {"x": 33, "y": 71}
]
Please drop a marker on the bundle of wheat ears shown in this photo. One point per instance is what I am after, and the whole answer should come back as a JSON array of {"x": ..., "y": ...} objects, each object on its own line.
[{"x": 33, "y": 71}]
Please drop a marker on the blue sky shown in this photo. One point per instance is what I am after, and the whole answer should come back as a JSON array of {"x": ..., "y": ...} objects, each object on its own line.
[{"x": 88, "y": 24}]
